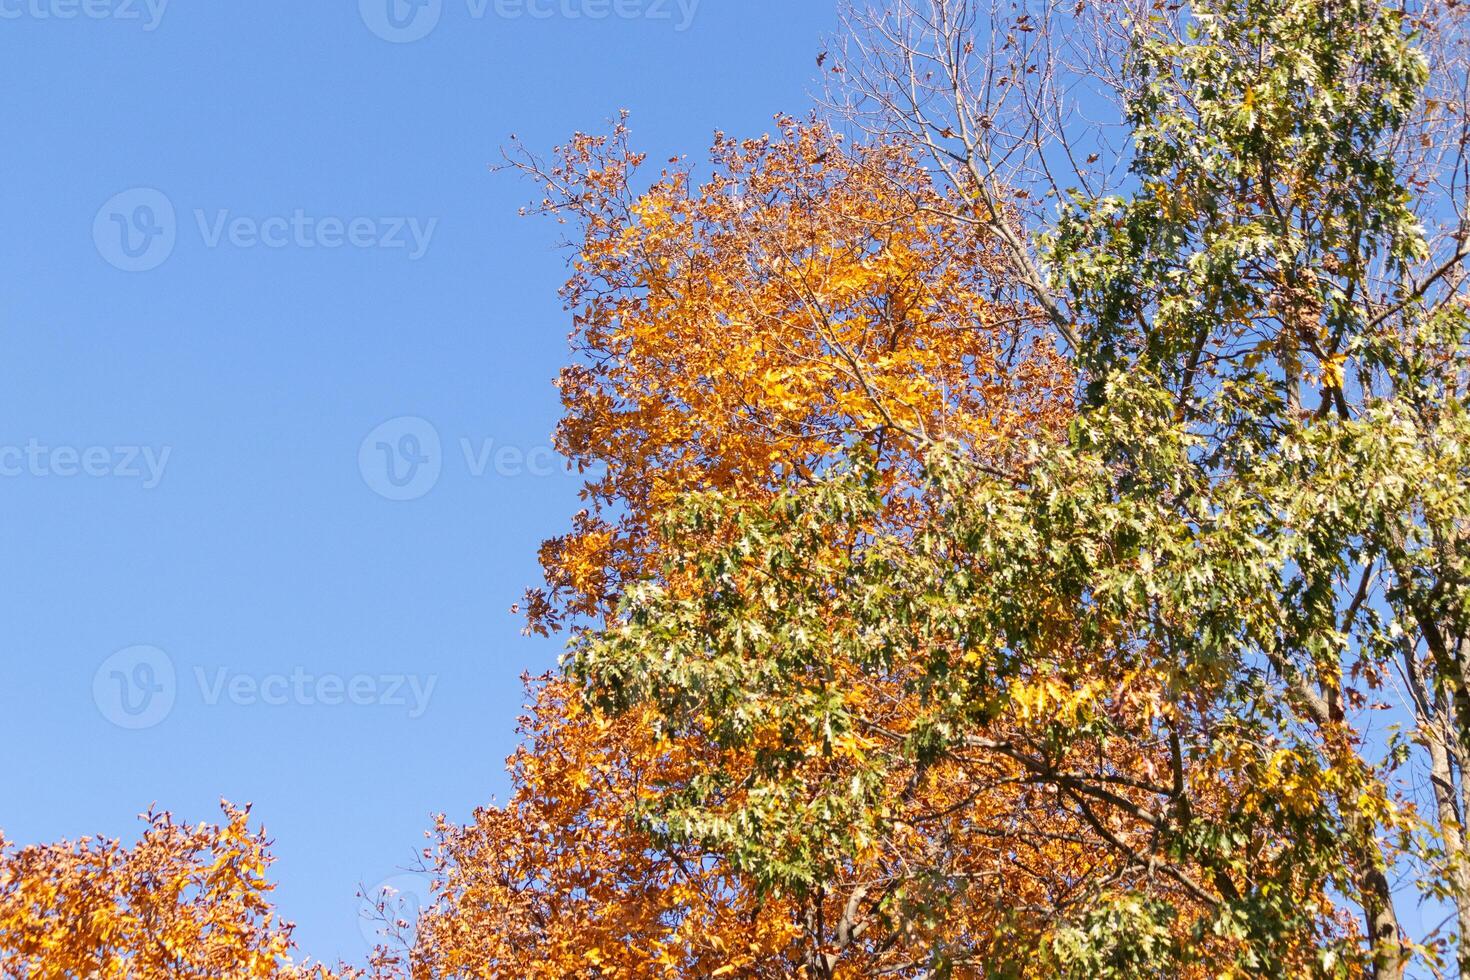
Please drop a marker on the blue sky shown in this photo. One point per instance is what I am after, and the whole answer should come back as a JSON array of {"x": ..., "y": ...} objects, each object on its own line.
[{"x": 257, "y": 266}]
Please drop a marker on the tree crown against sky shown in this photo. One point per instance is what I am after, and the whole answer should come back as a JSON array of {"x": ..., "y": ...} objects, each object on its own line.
[{"x": 1027, "y": 546}]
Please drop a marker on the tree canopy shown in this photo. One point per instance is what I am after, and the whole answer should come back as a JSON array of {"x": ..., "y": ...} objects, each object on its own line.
[{"x": 1028, "y": 536}]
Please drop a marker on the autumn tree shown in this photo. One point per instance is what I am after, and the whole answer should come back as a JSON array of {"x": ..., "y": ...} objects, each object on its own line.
[
  {"x": 745, "y": 332},
  {"x": 183, "y": 902},
  {"x": 792, "y": 749},
  {"x": 1026, "y": 536},
  {"x": 1187, "y": 621}
]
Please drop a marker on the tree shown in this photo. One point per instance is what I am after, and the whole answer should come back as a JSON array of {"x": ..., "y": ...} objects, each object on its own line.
[
  {"x": 1284, "y": 223},
  {"x": 1259, "y": 570},
  {"x": 188, "y": 902},
  {"x": 995, "y": 573},
  {"x": 745, "y": 332},
  {"x": 565, "y": 882},
  {"x": 791, "y": 726}
]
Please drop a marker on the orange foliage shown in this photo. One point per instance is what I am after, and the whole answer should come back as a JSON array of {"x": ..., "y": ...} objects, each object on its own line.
[
  {"x": 563, "y": 882},
  {"x": 739, "y": 333},
  {"x": 184, "y": 902}
]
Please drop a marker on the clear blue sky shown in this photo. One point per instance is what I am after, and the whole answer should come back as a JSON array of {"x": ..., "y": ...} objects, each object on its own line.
[{"x": 185, "y": 453}]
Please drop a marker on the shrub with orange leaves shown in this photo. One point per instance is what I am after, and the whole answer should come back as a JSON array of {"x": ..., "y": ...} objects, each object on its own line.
[{"x": 184, "y": 902}]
